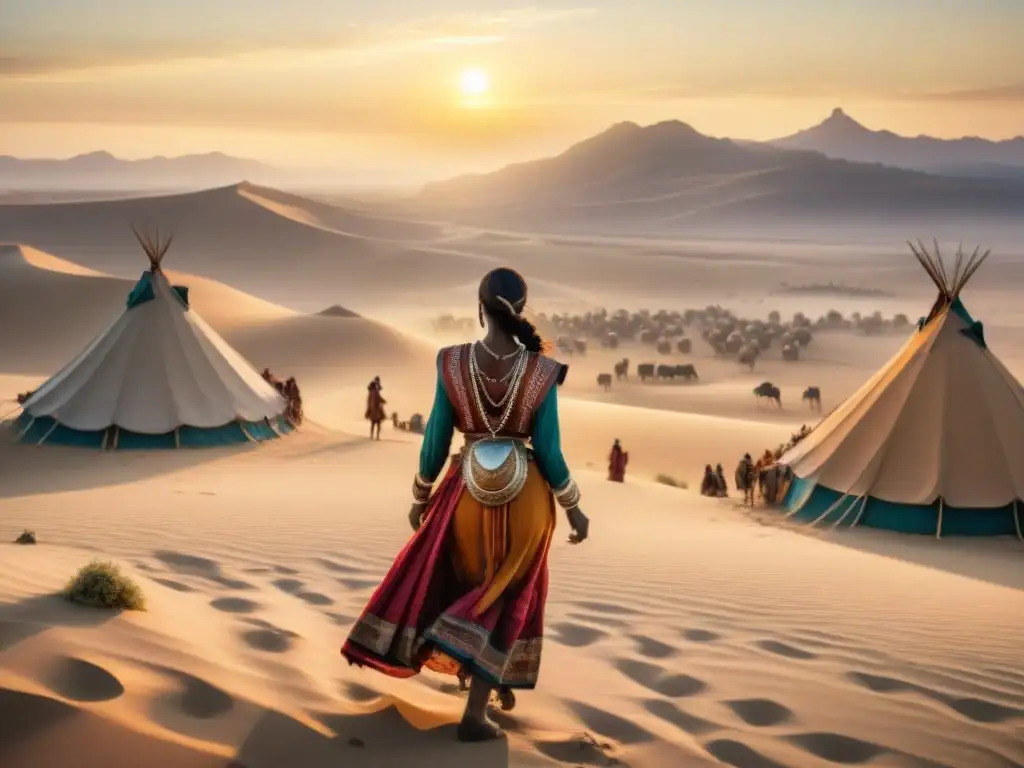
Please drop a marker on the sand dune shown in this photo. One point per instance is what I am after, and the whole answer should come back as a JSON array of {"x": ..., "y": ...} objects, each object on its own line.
[
  {"x": 686, "y": 632},
  {"x": 66, "y": 305},
  {"x": 256, "y": 239},
  {"x": 682, "y": 634}
]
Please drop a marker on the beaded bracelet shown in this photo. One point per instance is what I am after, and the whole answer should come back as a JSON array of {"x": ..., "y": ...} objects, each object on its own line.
[
  {"x": 421, "y": 490},
  {"x": 568, "y": 496}
]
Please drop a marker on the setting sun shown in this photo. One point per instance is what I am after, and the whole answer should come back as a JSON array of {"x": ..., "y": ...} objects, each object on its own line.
[{"x": 474, "y": 82}]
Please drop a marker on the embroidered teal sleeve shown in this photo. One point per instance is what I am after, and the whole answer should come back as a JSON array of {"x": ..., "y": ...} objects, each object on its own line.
[
  {"x": 547, "y": 442},
  {"x": 437, "y": 438}
]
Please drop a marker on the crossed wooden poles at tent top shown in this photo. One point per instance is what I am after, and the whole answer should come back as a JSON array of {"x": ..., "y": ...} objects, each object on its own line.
[
  {"x": 154, "y": 247},
  {"x": 949, "y": 284}
]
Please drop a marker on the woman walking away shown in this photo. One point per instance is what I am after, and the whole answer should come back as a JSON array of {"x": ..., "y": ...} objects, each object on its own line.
[
  {"x": 466, "y": 595},
  {"x": 375, "y": 408},
  {"x": 617, "y": 461}
]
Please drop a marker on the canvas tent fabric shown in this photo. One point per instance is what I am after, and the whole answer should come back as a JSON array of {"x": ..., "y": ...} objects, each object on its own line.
[
  {"x": 930, "y": 444},
  {"x": 158, "y": 376}
]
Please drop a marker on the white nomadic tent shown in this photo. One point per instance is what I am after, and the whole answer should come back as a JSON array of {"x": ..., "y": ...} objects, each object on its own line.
[
  {"x": 933, "y": 443},
  {"x": 157, "y": 377}
]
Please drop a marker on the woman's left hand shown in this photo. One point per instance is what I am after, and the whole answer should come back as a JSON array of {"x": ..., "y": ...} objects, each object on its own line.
[{"x": 416, "y": 515}]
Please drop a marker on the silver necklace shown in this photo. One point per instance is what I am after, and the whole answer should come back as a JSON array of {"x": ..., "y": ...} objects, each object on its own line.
[
  {"x": 479, "y": 377},
  {"x": 513, "y": 390},
  {"x": 495, "y": 355}
]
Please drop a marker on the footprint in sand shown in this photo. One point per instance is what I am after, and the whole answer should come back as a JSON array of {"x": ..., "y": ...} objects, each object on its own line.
[
  {"x": 80, "y": 680},
  {"x": 197, "y": 698},
  {"x": 295, "y": 587},
  {"x": 684, "y": 721},
  {"x": 837, "y": 748},
  {"x": 576, "y": 635},
  {"x": 177, "y": 586},
  {"x": 654, "y": 649},
  {"x": 337, "y": 567},
  {"x": 191, "y": 565},
  {"x": 655, "y": 679},
  {"x": 701, "y": 635},
  {"x": 315, "y": 598},
  {"x": 782, "y": 649},
  {"x": 357, "y": 584},
  {"x": 739, "y": 755},
  {"x": 609, "y": 725},
  {"x": 267, "y": 637},
  {"x": 291, "y": 586},
  {"x": 234, "y": 605},
  {"x": 761, "y": 713},
  {"x": 978, "y": 710}
]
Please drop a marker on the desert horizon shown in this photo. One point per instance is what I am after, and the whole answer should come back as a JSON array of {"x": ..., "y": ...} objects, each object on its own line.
[{"x": 743, "y": 342}]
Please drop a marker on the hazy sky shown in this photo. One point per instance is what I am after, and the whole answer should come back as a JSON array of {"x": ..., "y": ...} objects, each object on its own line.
[{"x": 373, "y": 84}]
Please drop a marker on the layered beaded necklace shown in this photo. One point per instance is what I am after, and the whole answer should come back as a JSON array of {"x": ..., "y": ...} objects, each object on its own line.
[{"x": 478, "y": 381}]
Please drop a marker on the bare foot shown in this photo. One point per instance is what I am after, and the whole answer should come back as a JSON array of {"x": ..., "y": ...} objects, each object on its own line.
[{"x": 473, "y": 730}]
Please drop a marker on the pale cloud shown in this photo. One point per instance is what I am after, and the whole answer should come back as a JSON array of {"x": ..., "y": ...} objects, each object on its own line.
[
  {"x": 1000, "y": 93},
  {"x": 40, "y": 59}
]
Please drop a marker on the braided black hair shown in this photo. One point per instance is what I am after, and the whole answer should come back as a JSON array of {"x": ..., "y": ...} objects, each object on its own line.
[{"x": 503, "y": 297}]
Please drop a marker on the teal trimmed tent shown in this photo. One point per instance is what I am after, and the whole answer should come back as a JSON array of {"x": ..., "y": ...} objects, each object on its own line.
[
  {"x": 933, "y": 443},
  {"x": 157, "y": 377}
]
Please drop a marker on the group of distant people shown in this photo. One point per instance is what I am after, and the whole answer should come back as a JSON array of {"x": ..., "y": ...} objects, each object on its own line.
[
  {"x": 765, "y": 475},
  {"x": 289, "y": 390}
]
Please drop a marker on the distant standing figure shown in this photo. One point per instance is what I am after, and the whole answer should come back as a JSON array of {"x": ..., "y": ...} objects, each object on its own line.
[
  {"x": 375, "y": 408},
  {"x": 745, "y": 479},
  {"x": 617, "y": 461},
  {"x": 709, "y": 484},
  {"x": 723, "y": 489}
]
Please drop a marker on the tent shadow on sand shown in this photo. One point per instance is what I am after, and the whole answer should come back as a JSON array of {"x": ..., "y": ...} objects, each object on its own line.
[
  {"x": 992, "y": 560},
  {"x": 29, "y": 470}
]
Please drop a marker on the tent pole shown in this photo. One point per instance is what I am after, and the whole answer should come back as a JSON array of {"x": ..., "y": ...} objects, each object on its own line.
[
  {"x": 31, "y": 421},
  {"x": 938, "y": 528},
  {"x": 1016, "y": 520},
  {"x": 863, "y": 503},
  {"x": 48, "y": 432},
  {"x": 177, "y": 438},
  {"x": 106, "y": 436},
  {"x": 117, "y": 433}
]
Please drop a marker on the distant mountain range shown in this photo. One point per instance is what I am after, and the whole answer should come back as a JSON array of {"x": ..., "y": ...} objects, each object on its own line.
[
  {"x": 669, "y": 178},
  {"x": 102, "y": 170},
  {"x": 840, "y": 136}
]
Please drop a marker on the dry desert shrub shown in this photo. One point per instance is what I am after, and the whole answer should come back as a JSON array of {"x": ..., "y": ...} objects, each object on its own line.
[
  {"x": 26, "y": 537},
  {"x": 101, "y": 584},
  {"x": 671, "y": 481}
]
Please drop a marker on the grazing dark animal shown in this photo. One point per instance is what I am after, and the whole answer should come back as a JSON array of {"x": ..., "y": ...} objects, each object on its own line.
[
  {"x": 813, "y": 397},
  {"x": 686, "y": 371},
  {"x": 666, "y": 371},
  {"x": 684, "y": 346},
  {"x": 664, "y": 347},
  {"x": 604, "y": 380},
  {"x": 622, "y": 369},
  {"x": 579, "y": 346},
  {"x": 790, "y": 353},
  {"x": 768, "y": 391},
  {"x": 645, "y": 371},
  {"x": 610, "y": 341}
]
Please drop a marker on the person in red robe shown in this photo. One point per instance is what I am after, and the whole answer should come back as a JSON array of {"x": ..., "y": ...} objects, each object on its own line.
[
  {"x": 617, "y": 461},
  {"x": 375, "y": 408}
]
